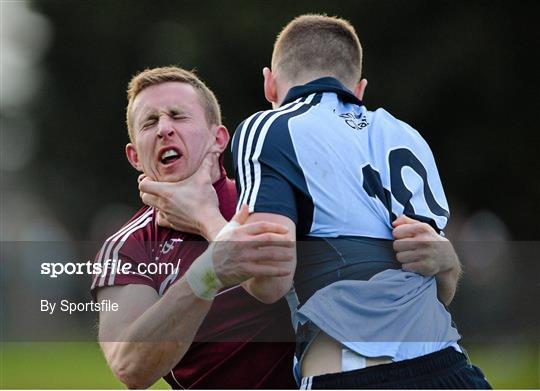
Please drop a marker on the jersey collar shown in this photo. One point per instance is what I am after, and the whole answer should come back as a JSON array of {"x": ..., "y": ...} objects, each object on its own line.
[
  {"x": 222, "y": 175},
  {"x": 324, "y": 84}
]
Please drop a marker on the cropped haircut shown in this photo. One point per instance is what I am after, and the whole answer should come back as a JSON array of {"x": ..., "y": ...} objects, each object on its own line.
[
  {"x": 155, "y": 76},
  {"x": 318, "y": 44}
]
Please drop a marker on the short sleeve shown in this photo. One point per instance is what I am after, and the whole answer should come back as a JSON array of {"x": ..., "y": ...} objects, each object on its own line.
[
  {"x": 265, "y": 166},
  {"x": 119, "y": 260}
]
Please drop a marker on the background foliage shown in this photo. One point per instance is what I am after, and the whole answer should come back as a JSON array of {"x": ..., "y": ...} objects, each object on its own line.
[{"x": 463, "y": 73}]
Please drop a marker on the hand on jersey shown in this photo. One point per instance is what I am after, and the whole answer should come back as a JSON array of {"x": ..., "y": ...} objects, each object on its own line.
[
  {"x": 420, "y": 249},
  {"x": 260, "y": 249},
  {"x": 188, "y": 205}
]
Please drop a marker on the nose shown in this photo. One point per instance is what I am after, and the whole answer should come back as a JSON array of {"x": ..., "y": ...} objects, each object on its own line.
[{"x": 165, "y": 127}]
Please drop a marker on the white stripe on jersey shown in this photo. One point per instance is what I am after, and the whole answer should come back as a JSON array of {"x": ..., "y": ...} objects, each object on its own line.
[
  {"x": 169, "y": 279},
  {"x": 245, "y": 181},
  {"x": 240, "y": 167},
  {"x": 307, "y": 382},
  {"x": 118, "y": 247},
  {"x": 109, "y": 243},
  {"x": 258, "y": 149}
]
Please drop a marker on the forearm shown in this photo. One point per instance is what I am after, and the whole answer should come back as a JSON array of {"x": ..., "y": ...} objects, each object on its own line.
[
  {"x": 156, "y": 341},
  {"x": 447, "y": 282},
  {"x": 211, "y": 225}
]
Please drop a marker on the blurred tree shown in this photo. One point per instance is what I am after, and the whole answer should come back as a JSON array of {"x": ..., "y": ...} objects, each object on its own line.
[{"x": 462, "y": 73}]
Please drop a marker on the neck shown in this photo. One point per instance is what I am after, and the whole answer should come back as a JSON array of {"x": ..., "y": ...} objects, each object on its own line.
[
  {"x": 215, "y": 174},
  {"x": 283, "y": 86}
]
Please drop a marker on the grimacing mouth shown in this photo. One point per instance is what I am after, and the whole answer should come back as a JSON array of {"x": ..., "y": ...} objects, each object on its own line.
[{"x": 169, "y": 155}]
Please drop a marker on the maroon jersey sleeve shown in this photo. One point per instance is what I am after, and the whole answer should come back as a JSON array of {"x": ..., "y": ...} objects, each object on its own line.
[
  {"x": 242, "y": 343},
  {"x": 124, "y": 256}
]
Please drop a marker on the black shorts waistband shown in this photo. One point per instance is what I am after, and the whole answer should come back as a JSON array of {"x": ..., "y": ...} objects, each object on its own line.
[{"x": 413, "y": 370}]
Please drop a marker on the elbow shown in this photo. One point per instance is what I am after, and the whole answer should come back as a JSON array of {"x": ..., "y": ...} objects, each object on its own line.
[
  {"x": 129, "y": 370},
  {"x": 446, "y": 300},
  {"x": 132, "y": 377},
  {"x": 447, "y": 283}
]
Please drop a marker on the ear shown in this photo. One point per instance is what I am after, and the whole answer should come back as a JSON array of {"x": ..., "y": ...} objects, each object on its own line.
[
  {"x": 360, "y": 89},
  {"x": 133, "y": 157},
  {"x": 221, "y": 141},
  {"x": 270, "y": 89}
]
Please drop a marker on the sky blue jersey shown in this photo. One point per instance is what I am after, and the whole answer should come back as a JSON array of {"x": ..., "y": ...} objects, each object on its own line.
[
  {"x": 334, "y": 167},
  {"x": 341, "y": 172}
]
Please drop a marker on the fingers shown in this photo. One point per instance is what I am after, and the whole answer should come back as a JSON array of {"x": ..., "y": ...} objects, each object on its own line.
[
  {"x": 270, "y": 254},
  {"x": 419, "y": 261},
  {"x": 140, "y": 178},
  {"x": 261, "y": 227},
  {"x": 408, "y": 256},
  {"x": 151, "y": 200},
  {"x": 418, "y": 267},
  {"x": 258, "y": 270},
  {"x": 259, "y": 242},
  {"x": 273, "y": 239},
  {"x": 157, "y": 188},
  {"x": 403, "y": 220},
  {"x": 418, "y": 246},
  {"x": 242, "y": 215},
  {"x": 405, "y": 244},
  {"x": 409, "y": 230},
  {"x": 408, "y": 250}
]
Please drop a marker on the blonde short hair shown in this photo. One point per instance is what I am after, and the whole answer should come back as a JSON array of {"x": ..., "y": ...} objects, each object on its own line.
[
  {"x": 155, "y": 76},
  {"x": 318, "y": 44}
]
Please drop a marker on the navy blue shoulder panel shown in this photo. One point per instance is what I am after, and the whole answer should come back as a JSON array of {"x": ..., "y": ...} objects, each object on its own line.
[{"x": 270, "y": 180}]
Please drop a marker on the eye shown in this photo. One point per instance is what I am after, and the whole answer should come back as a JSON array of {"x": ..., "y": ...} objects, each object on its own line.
[
  {"x": 178, "y": 115},
  {"x": 148, "y": 123}
]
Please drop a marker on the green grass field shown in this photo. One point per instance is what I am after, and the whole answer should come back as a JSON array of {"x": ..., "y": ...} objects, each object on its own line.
[
  {"x": 60, "y": 365},
  {"x": 80, "y": 365}
]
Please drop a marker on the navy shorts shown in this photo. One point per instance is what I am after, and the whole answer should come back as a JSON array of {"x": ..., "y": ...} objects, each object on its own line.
[{"x": 446, "y": 369}]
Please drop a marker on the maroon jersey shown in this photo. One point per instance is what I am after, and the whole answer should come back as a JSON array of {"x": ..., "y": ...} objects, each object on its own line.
[{"x": 242, "y": 343}]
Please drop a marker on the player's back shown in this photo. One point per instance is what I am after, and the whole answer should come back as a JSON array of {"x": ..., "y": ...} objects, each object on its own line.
[
  {"x": 362, "y": 169},
  {"x": 352, "y": 170},
  {"x": 342, "y": 174}
]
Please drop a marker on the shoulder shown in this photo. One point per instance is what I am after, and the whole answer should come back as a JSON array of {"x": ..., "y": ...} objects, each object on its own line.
[
  {"x": 140, "y": 222},
  {"x": 384, "y": 125},
  {"x": 137, "y": 229},
  {"x": 274, "y": 122}
]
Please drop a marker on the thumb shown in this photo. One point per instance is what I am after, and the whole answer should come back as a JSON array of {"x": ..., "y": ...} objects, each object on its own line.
[
  {"x": 242, "y": 215},
  {"x": 163, "y": 221},
  {"x": 156, "y": 188},
  {"x": 238, "y": 219},
  {"x": 403, "y": 220}
]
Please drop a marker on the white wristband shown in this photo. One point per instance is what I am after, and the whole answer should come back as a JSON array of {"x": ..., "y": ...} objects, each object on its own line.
[
  {"x": 202, "y": 278},
  {"x": 201, "y": 275}
]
